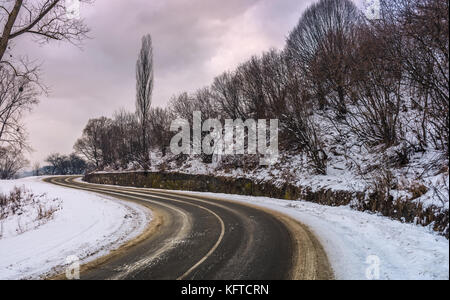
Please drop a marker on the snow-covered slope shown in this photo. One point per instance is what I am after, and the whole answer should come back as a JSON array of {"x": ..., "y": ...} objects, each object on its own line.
[{"x": 87, "y": 226}]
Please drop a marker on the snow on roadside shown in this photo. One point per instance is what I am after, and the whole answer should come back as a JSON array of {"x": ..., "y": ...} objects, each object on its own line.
[
  {"x": 360, "y": 244},
  {"x": 87, "y": 226},
  {"x": 23, "y": 210}
]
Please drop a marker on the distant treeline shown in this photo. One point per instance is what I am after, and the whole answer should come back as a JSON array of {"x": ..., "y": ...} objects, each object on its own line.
[{"x": 59, "y": 164}]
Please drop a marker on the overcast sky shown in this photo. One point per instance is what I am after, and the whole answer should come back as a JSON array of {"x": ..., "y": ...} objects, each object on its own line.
[{"x": 193, "y": 40}]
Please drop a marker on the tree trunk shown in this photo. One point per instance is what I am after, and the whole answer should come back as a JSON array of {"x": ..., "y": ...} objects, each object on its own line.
[{"x": 8, "y": 27}]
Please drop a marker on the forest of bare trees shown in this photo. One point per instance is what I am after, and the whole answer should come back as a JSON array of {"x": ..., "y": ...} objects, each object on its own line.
[{"x": 382, "y": 82}]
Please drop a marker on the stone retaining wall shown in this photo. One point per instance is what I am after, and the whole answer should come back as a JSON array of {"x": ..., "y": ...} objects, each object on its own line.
[{"x": 405, "y": 211}]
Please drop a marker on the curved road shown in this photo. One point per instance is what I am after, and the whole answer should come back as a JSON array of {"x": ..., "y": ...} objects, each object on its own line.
[{"x": 196, "y": 237}]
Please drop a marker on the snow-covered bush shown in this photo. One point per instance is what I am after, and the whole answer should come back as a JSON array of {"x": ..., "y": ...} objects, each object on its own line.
[{"x": 22, "y": 210}]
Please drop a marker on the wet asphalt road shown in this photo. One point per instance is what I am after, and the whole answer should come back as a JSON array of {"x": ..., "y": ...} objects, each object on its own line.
[{"x": 202, "y": 238}]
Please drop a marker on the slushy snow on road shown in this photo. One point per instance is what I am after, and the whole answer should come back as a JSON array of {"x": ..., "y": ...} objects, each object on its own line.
[{"x": 85, "y": 225}]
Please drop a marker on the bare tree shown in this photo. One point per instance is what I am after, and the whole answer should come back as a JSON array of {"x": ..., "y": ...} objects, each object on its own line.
[
  {"x": 66, "y": 164},
  {"x": 299, "y": 130},
  {"x": 424, "y": 26},
  {"x": 54, "y": 160},
  {"x": 36, "y": 169},
  {"x": 144, "y": 89},
  {"x": 227, "y": 93},
  {"x": 377, "y": 96},
  {"x": 17, "y": 95},
  {"x": 182, "y": 106},
  {"x": 95, "y": 144},
  {"x": 276, "y": 80},
  {"x": 12, "y": 161},
  {"x": 250, "y": 75},
  {"x": 113, "y": 143},
  {"x": 160, "y": 119},
  {"x": 319, "y": 47},
  {"x": 125, "y": 139},
  {"x": 44, "y": 19}
]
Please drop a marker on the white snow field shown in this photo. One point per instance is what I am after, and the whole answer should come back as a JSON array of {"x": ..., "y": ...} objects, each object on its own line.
[
  {"x": 363, "y": 246},
  {"x": 87, "y": 226}
]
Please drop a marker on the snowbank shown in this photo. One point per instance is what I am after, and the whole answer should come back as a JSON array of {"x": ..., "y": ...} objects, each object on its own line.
[{"x": 87, "y": 226}]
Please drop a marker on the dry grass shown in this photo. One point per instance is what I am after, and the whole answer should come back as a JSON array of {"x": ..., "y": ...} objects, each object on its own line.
[{"x": 28, "y": 206}]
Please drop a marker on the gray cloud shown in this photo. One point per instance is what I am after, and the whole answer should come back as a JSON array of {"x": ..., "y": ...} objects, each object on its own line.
[{"x": 194, "y": 41}]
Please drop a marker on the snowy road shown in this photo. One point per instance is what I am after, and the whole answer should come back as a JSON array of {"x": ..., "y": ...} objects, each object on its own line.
[
  {"x": 361, "y": 245},
  {"x": 198, "y": 237}
]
